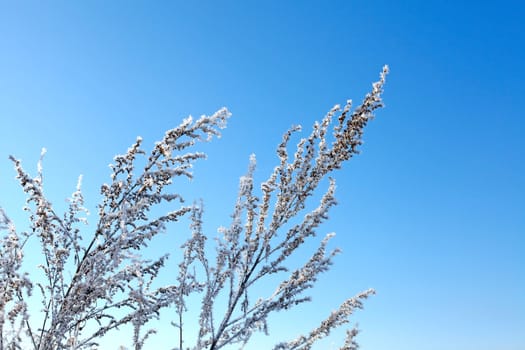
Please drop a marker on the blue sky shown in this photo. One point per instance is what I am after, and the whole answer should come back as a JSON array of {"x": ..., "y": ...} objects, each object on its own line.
[{"x": 431, "y": 214}]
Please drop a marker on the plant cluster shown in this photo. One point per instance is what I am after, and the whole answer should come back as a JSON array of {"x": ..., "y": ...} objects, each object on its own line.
[{"x": 94, "y": 283}]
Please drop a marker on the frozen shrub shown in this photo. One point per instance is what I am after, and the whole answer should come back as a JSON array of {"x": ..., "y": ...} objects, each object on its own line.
[{"x": 95, "y": 284}]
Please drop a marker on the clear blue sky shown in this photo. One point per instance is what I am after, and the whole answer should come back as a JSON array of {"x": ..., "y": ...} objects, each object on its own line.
[{"x": 431, "y": 214}]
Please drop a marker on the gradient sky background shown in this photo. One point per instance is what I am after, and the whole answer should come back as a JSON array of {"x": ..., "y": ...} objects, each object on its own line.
[{"x": 431, "y": 214}]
